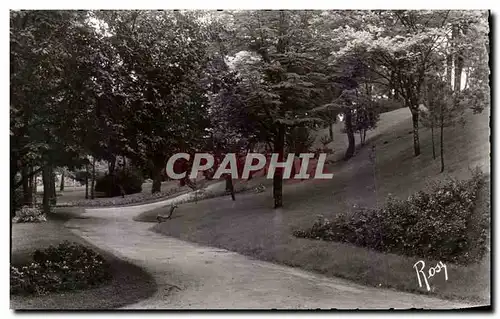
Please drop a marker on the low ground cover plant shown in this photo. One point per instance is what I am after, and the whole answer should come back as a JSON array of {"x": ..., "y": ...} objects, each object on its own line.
[
  {"x": 68, "y": 266},
  {"x": 433, "y": 224}
]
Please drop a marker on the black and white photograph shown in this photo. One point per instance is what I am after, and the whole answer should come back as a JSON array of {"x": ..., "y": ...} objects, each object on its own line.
[{"x": 250, "y": 159}]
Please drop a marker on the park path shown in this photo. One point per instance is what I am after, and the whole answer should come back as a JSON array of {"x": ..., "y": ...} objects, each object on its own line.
[{"x": 190, "y": 276}]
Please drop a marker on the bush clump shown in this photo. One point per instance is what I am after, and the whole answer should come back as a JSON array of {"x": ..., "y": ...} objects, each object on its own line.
[
  {"x": 69, "y": 266},
  {"x": 112, "y": 185},
  {"x": 433, "y": 224},
  {"x": 29, "y": 214}
]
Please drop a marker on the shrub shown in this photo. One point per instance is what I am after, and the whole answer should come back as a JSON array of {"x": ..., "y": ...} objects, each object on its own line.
[
  {"x": 130, "y": 180},
  {"x": 108, "y": 185},
  {"x": 434, "y": 224},
  {"x": 29, "y": 215},
  {"x": 69, "y": 266}
]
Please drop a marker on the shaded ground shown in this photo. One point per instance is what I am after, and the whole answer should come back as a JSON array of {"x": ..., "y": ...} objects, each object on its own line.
[
  {"x": 250, "y": 226},
  {"x": 129, "y": 284},
  {"x": 190, "y": 276}
]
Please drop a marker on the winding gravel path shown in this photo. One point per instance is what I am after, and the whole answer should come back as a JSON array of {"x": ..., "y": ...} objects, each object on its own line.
[{"x": 190, "y": 276}]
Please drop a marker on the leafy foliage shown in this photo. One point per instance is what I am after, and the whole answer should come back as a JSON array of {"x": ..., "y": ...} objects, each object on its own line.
[
  {"x": 83, "y": 82},
  {"x": 81, "y": 176},
  {"x": 399, "y": 49},
  {"x": 282, "y": 76},
  {"x": 433, "y": 225},
  {"x": 442, "y": 104},
  {"x": 365, "y": 120},
  {"x": 28, "y": 214},
  {"x": 69, "y": 266},
  {"x": 163, "y": 98}
]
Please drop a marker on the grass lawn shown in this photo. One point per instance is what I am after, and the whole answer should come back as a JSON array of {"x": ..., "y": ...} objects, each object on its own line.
[
  {"x": 250, "y": 226},
  {"x": 130, "y": 283}
]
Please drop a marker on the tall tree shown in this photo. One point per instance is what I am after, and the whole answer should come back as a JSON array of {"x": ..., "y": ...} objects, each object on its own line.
[
  {"x": 278, "y": 76},
  {"x": 398, "y": 47},
  {"x": 44, "y": 89},
  {"x": 165, "y": 91},
  {"x": 443, "y": 106}
]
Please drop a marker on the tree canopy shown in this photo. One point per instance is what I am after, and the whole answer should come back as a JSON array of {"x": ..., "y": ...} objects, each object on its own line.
[{"x": 148, "y": 84}]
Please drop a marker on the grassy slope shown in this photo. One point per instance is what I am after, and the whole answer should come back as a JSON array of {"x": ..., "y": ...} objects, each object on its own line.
[
  {"x": 130, "y": 283},
  {"x": 250, "y": 225}
]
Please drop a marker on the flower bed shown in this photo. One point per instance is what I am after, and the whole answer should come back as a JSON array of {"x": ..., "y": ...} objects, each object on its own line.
[
  {"x": 69, "y": 266},
  {"x": 29, "y": 215}
]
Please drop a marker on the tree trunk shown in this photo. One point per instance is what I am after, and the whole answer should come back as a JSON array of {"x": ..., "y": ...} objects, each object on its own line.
[
  {"x": 350, "y": 135},
  {"x": 442, "y": 140},
  {"x": 270, "y": 147},
  {"x": 26, "y": 186},
  {"x": 53, "y": 198},
  {"x": 330, "y": 130},
  {"x": 157, "y": 168},
  {"x": 449, "y": 64},
  {"x": 250, "y": 148},
  {"x": 34, "y": 185},
  {"x": 86, "y": 181},
  {"x": 433, "y": 144},
  {"x": 279, "y": 146},
  {"x": 393, "y": 90},
  {"x": 459, "y": 60},
  {"x": 46, "y": 188},
  {"x": 20, "y": 183},
  {"x": 467, "y": 75},
  {"x": 416, "y": 140},
  {"x": 294, "y": 171},
  {"x": 112, "y": 165},
  {"x": 230, "y": 185},
  {"x": 31, "y": 179},
  {"x": 13, "y": 172},
  {"x": 229, "y": 182},
  {"x": 61, "y": 187},
  {"x": 92, "y": 185},
  {"x": 458, "y": 73}
]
